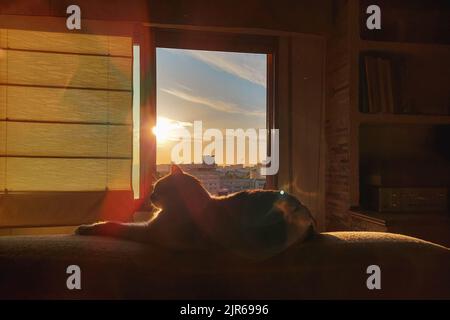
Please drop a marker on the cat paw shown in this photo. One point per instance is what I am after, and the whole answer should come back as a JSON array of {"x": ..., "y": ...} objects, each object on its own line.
[{"x": 84, "y": 230}]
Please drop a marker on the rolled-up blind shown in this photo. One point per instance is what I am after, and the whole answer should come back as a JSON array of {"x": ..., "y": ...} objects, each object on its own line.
[{"x": 65, "y": 111}]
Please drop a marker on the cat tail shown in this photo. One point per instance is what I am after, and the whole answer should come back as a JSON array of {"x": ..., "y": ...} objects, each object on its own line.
[
  {"x": 305, "y": 218},
  {"x": 129, "y": 231}
]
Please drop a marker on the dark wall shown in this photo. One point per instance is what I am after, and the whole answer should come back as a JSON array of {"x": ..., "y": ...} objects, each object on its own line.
[
  {"x": 308, "y": 16},
  {"x": 409, "y": 21}
]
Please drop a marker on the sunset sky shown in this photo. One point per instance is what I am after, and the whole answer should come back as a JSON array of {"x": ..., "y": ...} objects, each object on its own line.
[{"x": 223, "y": 89}]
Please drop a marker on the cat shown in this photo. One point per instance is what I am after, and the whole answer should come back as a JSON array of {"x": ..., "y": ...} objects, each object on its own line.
[{"x": 253, "y": 223}]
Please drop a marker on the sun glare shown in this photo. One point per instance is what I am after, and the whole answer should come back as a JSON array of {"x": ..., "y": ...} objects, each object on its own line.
[{"x": 166, "y": 129}]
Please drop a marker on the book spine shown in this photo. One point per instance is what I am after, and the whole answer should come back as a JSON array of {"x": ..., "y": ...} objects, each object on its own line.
[
  {"x": 370, "y": 85},
  {"x": 363, "y": 103},
  {"x": 382, "y": 85},
  {"x": 389, "y": 88}
]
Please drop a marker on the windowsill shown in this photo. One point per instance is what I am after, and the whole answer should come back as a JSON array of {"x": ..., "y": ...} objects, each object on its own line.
[{"x": 22, "y": 231}]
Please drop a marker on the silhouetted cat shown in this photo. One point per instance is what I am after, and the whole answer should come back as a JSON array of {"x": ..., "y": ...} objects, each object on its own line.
[{"x": 254, "y": 223}]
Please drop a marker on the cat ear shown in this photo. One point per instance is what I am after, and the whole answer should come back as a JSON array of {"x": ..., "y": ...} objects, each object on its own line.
[{"x": 174, "y": 169}]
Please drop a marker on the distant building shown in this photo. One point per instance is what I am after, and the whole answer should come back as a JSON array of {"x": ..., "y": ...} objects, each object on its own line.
[
  {"x": 221, "y": 180},
  {"x": 236, "y": 184},
  {"x": 206, "y": 173},
  {"x": 260, "y": 183},
  {"x": 211, "y": 182},
  {"x": 162, "y": 170}
]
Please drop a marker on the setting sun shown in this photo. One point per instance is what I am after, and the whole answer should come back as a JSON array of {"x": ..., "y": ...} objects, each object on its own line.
[{"x": 167, "y": 129}]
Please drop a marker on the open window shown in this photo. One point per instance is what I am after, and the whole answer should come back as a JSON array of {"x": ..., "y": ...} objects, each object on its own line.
[
  {"x": 77, "y": 110},
  {"x": 214, "y": 95}
]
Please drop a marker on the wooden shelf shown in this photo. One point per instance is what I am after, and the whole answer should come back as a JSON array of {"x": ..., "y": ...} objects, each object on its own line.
[
  {"x": 401, "y": 46},
  {"x": 382, "y": 218},
  {"x": 369, "y": 216},
  {"x": 421, "y": 85},
  {"x": 389, "y": 118},
  {"x": 431, "y": 226}
]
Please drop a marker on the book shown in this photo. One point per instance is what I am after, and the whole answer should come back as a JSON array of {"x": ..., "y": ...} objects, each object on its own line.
[
  {"x": 386, "y": 92},
  {"x": 382, "y": 84},
  {"x": 389, "y": 87},
  {"x": 363, "y": 100},
  {"x": 372, "y": 84},
  {"x": 376, "y": 91}
]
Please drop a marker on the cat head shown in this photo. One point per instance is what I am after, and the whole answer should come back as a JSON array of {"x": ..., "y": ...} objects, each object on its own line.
[{"x": 178, "y": 190}]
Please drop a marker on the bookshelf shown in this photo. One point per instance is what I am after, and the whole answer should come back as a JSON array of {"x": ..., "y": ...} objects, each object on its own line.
[
  {"x": 415, "y": 76},
  {"x": 425, "y": 63},
  {"x": 402, "y": 46},
  {"x": 389, "y": 118}
]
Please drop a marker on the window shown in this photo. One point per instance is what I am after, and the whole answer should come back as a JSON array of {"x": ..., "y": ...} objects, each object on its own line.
[
  {"x": 65, "y": 127},
  {"x": 205, "y": 95},
  {"x": 65, "y": 119}
]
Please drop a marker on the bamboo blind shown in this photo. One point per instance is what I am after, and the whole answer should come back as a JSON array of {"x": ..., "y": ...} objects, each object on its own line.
[{"x": 65, "y": 111}]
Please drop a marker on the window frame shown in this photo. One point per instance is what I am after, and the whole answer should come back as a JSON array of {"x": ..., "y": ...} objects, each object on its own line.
[
  {"x": 119, "y": 205},
  {"x": 211, "y": 41}
]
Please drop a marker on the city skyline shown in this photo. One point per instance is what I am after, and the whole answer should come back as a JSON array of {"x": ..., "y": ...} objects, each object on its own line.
[
  {"x": 225, "y": 90},
  {"x": 221, "y": 180}
]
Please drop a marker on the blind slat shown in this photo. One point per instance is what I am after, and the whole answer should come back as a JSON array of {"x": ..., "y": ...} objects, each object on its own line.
[
  {"x": 48, "y": 69},
  {"x": 58, "y": 140},
  {"x": 120, "y": 107},
  {"x": 119, "y": 73},
  {"x": 120, "y": 46},
  {"x": 119, "y": 141},
  {"x": 2, "y": 137},
  {"x": 2, "y": 103},
  {"x": 3, "y": 40},
  {"x": 67, "y": 70},
  {"x": 69, "y": 43},
  {"x": 55, "y": 174},
  {"x": 2, "y": 174},
  {"x": 39, "y": 174},
  {"x": 74, "y": 105},
  {"x": 3, "y": 66},
  {"x": 66, "y": 140},
  {"x": 119, "y": 174}
]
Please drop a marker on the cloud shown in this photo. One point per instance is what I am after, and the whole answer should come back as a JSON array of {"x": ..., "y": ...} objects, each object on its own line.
[
  {"x": 214, "y": 104},
  {"x": 243, "y": 65},
  {"x": 167, "y": 129},
  {"x": 174, "y": 123}
]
